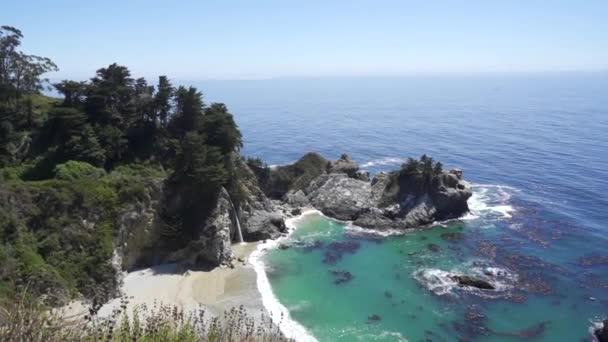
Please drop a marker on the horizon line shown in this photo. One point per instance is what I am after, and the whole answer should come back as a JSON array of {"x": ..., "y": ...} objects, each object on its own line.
[{"x": 362, "y": 76}]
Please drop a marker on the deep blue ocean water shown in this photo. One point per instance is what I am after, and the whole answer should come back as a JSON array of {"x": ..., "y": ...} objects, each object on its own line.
[{"x": 534, "y": 146}]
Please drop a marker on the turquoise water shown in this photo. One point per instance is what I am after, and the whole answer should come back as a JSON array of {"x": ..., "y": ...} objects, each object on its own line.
[
  {"x": 388, "y": 281},
  {"x": 536, "y": 147}
]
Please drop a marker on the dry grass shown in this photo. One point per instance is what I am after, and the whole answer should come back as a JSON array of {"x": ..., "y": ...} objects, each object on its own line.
[{"x": 23, "y": 319}]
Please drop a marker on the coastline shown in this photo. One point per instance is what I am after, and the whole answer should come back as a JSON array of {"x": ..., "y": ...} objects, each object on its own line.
[
  {"x": 278, "y": 312},
  {"x": 222, "y": 288},
  {"x": 215, "y": 291}
]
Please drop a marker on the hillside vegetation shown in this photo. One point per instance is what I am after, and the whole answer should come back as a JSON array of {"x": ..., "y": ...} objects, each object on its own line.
[{"x": 69, "y": 165}]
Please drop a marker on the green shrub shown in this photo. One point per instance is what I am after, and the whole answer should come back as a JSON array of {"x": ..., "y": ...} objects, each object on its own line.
[
  {"x": 130, "y": 191},
  {"x": 139, "y": 169},
  {"x": 74, "y": 170},
  {"x": 13, "y": 173}
]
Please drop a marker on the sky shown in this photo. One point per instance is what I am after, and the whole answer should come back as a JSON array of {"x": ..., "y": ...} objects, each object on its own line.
[{"x": 247, "y": 39}]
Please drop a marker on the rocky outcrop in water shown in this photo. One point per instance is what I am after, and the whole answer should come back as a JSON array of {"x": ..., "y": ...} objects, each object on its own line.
[
  {"x": 464, "y": 280},
  {"x": 403, "y": 202},
  {"x": 410, "y": 197},
  {"x": 602, "y": 333}
]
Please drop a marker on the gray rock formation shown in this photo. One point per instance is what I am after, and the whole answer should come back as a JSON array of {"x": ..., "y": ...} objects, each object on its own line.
[
  {"x": 138, "y": 228},
  {"x": 260, "y": 217},
  {"x": 140, "y": 242},
  {"x": 394, "y": 200},
  {"x": 344, "y": 165},
  {"x": 212, "y": 247},
  {"x": 278, "y": 181},
  {"x": 339, "y": 196}
]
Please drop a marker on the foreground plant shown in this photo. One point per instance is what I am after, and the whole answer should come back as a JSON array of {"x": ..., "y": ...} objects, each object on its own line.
[{"x": 24, "y": 319}]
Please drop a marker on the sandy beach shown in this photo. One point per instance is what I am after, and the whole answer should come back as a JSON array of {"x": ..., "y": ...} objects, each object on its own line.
[{"x": 215, "y": 291}]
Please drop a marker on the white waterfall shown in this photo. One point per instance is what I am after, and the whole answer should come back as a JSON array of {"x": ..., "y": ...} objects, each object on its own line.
[{"x": 238, "y": 222}]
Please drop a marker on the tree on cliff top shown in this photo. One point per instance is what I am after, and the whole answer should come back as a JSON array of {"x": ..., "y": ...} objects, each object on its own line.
[
  {"x": 19, "y": 72},
  {"x": 421, "y": 171}
]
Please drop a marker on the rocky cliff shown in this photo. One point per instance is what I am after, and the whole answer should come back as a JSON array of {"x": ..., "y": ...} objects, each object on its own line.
[
  {"x": 144, "y": 232},
  {"x": 260, "y": 216}
]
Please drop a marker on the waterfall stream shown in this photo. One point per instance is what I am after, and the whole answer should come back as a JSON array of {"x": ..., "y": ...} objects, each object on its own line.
[{"x": 238, "y": 222}]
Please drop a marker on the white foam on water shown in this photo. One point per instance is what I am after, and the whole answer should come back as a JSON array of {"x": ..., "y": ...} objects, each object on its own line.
[
  {"x": 595, "y": 325},
  {"x": 436, "y": 280},
  {"x": 351, "y": 228},
  {"x": 278, "y": 312},
  {"x": 383, "y": 162},
  {"x": 300, "y": 306},
  {"x": 440, "y": 282},
  {"x": 489, "y": 200},
  {"x": 366, "y": 334}
]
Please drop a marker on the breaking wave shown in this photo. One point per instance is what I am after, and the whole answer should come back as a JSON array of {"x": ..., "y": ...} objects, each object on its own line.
[
  {"x": 490, "y": 201},
  {"x": 383, "y": 162},
  {"x": 356, "y": 230},
  {"x": 595, "y": 325},
  {"x": 442, "y": 282},
  {"x": 278, "y": 312}
]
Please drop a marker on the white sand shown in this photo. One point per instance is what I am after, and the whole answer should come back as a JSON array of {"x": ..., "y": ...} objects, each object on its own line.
[{"x": 216, "y": 291}]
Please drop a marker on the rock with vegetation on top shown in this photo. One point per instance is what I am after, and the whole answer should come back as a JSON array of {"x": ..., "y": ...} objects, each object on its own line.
[{"x": 418, "y": 194}]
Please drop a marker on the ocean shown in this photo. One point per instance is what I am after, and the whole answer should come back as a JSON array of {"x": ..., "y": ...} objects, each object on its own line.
[{"x": 535, "y": 148}]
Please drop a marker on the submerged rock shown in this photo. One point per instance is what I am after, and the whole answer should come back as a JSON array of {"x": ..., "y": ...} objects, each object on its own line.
[
  {"x": 374, "y": 318},
  {"x": 452, "y": 236},
  {"x": 433, "y": 248},
  {"x": 534, "y": 331}
]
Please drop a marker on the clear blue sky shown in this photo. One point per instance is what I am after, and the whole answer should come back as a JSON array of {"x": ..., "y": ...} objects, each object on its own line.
[{"x": 222, "y": 39}]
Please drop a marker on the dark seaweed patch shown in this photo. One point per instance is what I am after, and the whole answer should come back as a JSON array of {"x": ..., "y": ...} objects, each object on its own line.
[
  {"x": 336, "y": 250},
  {"x": 341, "y": 276}
]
